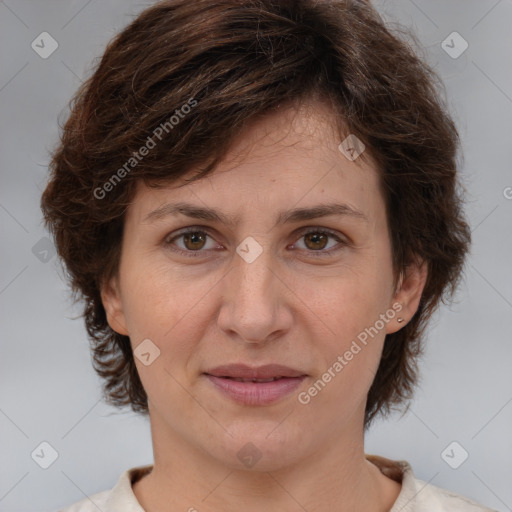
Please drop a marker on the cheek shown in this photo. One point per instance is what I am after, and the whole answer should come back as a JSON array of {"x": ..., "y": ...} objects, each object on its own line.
[
  {"x": 347, "y": 303},
  {"x": 165, "y": 307},
  {"x": 347, "y": 347},
  {"x": 348, "y": 313}
]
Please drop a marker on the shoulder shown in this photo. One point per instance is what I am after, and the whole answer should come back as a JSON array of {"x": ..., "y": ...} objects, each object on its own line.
[
  {"x": 419, "y": 496},
  {"x": 435, "y": 498},
  {"x": 119, "y": 498}
]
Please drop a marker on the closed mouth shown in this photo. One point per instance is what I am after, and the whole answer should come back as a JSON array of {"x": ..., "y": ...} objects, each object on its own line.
[
  {"x": 245, "y": 373},
  {"x": 238, "y": 379}
]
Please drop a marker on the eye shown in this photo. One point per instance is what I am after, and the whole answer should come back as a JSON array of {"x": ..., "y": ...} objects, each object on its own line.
[
  {"x": 317, "y": 239},
  {"x": 195, "y": 242}
]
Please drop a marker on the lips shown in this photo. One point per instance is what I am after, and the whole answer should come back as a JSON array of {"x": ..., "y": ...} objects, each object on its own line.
[
  {"x": 244, "y": 373},
  {"x": 255, "y": 386},
  {"x": 252, "y": 380}
]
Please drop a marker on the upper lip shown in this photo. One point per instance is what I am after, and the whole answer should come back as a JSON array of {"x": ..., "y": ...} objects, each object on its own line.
[{"x": 242, "y": 371}]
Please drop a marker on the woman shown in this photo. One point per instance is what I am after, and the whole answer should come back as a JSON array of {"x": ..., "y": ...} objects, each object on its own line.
[{"x": 258, "y": 203}]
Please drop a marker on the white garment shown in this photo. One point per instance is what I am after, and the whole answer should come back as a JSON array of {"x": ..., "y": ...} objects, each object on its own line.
[{"x": 415, "y": 496}]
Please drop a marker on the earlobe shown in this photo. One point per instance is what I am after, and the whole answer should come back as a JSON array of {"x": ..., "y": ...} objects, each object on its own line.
[
  {"x": 408, "y": 294},
  {"x": 111, "y": 299}
]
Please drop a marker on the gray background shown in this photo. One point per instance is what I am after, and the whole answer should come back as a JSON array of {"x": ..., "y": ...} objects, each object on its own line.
[{"x": 49, "y": 391}]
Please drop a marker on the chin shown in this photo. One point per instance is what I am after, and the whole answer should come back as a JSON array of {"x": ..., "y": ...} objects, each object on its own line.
[{"x": 259, "y": 446}]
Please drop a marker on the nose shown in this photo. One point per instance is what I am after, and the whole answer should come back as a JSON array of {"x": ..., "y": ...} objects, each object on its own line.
[{"x": 256, "y": 304}]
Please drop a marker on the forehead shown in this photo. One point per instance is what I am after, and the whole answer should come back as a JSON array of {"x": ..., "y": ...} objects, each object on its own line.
[{"x": 289, "y": 158}]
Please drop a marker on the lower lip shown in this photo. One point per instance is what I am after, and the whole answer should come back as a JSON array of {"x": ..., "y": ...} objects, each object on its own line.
[{"x": 256, "y": 393}]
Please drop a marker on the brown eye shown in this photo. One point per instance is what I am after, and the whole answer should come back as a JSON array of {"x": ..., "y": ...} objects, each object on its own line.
[
  {"x": 316, "y": 240},
  {"x": 321, "y": 242},
  {"x": 195, "y": 240}
]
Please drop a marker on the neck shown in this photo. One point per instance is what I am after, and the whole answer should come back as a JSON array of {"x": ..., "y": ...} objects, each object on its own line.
[{"x": 336, "y": 475}]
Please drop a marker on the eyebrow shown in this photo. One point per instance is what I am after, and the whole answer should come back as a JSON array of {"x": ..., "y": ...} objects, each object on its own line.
[{"x": 283, "y": 217}]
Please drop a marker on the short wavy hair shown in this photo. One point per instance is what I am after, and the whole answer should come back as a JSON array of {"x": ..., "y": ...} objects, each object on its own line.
[{"x": 234, "y": 61}]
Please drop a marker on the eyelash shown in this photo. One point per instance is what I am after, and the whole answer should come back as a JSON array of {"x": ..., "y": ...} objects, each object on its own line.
[{"x": 319, "y": 253}]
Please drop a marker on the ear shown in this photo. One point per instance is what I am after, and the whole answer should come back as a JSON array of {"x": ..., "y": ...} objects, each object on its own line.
[
  {"x": 408, "y": 294},
  {"x": 111, "y": 299}
]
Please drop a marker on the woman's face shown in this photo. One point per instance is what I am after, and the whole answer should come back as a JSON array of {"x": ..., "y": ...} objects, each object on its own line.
[{"x": 255, "y": 289}]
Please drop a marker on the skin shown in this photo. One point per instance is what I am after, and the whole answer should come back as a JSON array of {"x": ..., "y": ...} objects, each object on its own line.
[{"x": 289, "y": 306}]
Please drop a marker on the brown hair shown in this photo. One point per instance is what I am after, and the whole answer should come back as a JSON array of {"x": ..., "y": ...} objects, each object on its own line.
[{"x": 229, "y": 61}]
